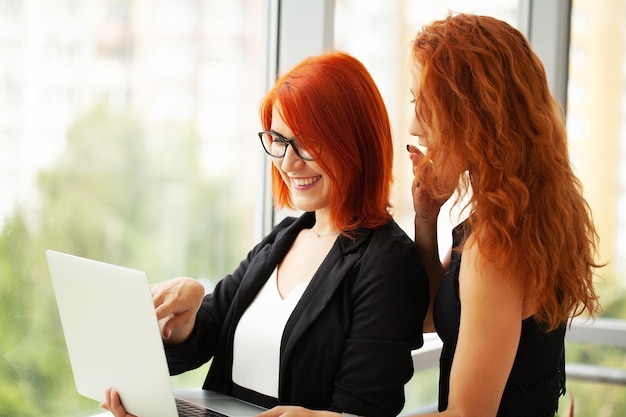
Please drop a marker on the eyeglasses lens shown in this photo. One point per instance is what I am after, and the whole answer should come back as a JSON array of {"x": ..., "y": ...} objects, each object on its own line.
[{"x": 276, "y": 146}]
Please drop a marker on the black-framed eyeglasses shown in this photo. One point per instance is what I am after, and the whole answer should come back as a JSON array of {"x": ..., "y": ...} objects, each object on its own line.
[{"x": 275, "y": 145}]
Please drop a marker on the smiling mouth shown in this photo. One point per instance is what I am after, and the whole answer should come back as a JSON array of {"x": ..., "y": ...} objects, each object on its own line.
[{"x": 303, "y": 182}]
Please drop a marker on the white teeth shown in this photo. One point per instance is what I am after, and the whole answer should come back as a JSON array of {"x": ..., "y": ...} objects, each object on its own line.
[{"x": 305, "y": 181}]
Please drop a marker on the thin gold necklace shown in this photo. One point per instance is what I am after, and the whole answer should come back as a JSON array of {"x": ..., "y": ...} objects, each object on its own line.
[{"x": 323, "y": 234}]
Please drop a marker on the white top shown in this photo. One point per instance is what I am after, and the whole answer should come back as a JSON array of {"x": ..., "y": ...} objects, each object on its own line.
[{"x": 256, "y": 349}]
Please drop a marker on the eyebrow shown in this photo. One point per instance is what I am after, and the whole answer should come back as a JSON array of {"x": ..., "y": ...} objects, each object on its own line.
[{"x": 281, "y": 135}]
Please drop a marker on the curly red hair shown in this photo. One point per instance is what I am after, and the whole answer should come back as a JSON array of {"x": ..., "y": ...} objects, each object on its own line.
[
  {"x": 331, "y": 100},
  {"x": 485, "y": 101}
]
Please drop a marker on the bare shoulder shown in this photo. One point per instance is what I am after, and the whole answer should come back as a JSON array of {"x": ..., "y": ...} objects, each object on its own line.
[
  {"x": 493, "y": 285},
  {"x": 485, "y": 286}
]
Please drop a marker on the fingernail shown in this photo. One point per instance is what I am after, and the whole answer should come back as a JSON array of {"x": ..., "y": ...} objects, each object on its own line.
[{"x": 407, "y": 148}]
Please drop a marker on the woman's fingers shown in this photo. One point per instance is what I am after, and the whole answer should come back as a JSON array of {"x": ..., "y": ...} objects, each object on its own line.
[
  {"x": 113, "y": 403},
  {"x": 177, "y": 302}
]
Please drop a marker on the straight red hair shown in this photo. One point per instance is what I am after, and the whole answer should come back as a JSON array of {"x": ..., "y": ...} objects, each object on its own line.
[
  {"x": 485, "y": 100},
  {"x": 331, "y": 100}
]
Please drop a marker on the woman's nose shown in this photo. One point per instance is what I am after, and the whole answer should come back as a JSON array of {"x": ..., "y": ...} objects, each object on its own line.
[{"x": 291, "y": 159}]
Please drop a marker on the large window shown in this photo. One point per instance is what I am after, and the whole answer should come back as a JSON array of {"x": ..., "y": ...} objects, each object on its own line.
[
  {"x": 596, "y": 121},
  {"x": 128, "y": 135}
]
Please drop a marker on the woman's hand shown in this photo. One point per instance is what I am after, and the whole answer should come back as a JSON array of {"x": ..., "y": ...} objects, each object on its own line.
[
  {"x": 426, "y": 208},
  {"x": 177, "y": 302},
  {"x": 293, "y": 411},
  {"x": 113, "y": 403}
]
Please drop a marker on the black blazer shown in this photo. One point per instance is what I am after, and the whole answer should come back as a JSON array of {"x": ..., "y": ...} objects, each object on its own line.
[{"x": 347, "y": 345}]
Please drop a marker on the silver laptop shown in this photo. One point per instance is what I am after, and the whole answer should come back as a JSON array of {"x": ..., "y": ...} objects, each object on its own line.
[{"x": 113, "y": 340}]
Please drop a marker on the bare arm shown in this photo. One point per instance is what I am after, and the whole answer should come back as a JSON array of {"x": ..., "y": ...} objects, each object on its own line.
[
  {"x": 426, "y": 243},
  {"x": 489, "y": 335},
  {"x": 428, "y": 250}
]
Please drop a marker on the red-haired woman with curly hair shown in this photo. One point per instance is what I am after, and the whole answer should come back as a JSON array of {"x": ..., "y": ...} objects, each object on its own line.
[
  {"x": 522, "y": 264},
  {"x": 325, "y": 311}
]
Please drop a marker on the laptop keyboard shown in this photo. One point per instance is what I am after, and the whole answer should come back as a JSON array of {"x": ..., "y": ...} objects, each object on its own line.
[{"x": 187, "y": 409}]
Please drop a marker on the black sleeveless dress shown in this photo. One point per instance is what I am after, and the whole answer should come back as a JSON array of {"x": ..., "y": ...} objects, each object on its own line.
[{"x": 537, "y": 379}]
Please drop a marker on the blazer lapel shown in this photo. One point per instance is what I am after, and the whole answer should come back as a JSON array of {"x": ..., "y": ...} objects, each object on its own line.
[
  {"x": 265, "y": 261},
  {"x": 323, "y": 285}
]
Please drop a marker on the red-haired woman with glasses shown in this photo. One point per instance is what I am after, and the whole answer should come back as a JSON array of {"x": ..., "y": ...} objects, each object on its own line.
[
  {"x": 325, "y": 310},
  {"x": 522, "y": 264}
]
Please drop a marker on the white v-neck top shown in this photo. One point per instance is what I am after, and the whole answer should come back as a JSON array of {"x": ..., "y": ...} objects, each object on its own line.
[{"x": 256, "y": 348}]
